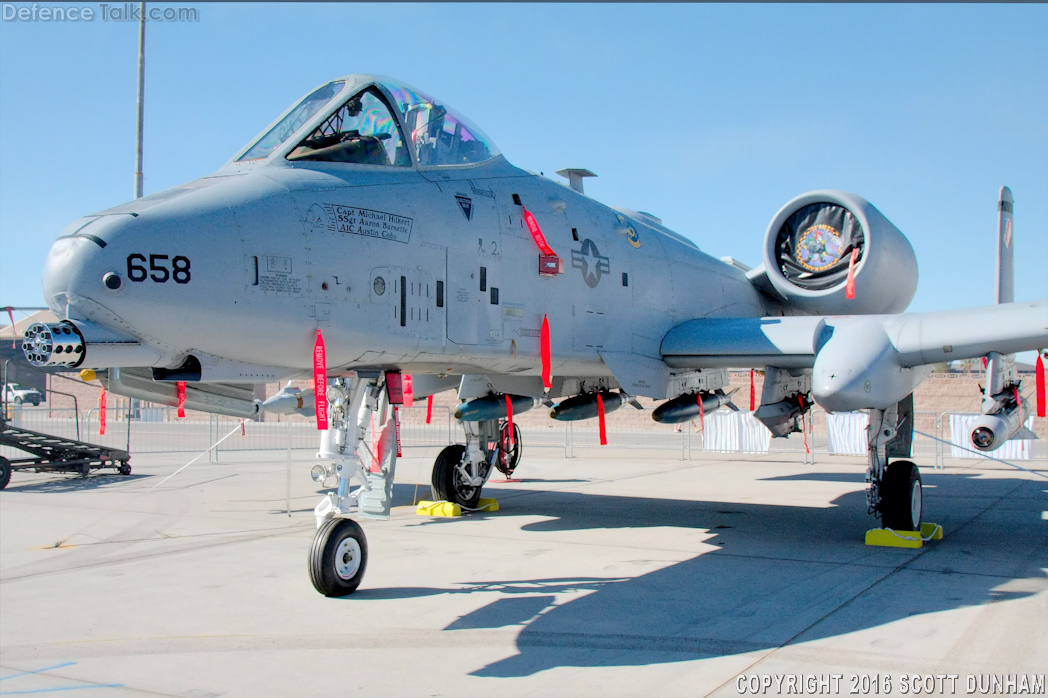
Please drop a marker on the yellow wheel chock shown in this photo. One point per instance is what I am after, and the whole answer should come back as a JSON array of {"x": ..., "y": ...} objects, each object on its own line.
[
  {"x": 428, "y": 508},
  {"x": 889, "y": 538}
]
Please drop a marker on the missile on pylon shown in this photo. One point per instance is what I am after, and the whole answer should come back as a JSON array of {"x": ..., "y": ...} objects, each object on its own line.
[
  {"x": 291, "y": 401},
  {"x": 686, "y": 407},
  {"x": 492, "y": 407},
  {"x": 990, "y": 431},
  {"x": 585, "y": 406}
]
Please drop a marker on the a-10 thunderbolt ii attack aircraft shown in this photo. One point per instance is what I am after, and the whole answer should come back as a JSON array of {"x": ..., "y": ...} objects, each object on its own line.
[{"x": 372, "y": 231}]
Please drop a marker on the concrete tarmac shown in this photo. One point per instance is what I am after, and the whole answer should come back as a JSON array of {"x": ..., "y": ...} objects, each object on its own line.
[{"x": 610, "y": 574}]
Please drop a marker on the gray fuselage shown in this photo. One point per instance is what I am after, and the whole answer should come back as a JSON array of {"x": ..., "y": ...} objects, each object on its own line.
[{"x": 428, "y": 271}]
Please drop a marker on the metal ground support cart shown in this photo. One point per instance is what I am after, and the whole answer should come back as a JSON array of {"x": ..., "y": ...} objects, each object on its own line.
[{"x": 54, "y": 454}]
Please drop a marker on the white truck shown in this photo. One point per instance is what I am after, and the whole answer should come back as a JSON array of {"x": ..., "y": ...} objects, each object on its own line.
[{"x": 15, "y": 394}]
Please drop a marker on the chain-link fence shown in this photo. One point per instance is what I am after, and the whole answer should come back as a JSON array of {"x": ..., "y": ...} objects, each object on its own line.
[{"x": 158, "y": 430}]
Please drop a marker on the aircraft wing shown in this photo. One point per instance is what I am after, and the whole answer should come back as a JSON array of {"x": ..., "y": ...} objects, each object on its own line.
[{"x": 916, "y": 339}]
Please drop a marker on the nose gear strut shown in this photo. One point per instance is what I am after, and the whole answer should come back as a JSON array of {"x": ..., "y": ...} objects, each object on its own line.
[{"x": 338, "y": 557}]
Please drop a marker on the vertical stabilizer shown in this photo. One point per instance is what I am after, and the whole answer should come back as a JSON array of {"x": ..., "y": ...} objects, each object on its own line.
[
  {"x": 1005, "y": 274},
  {"x": 1001, "y": 375}
]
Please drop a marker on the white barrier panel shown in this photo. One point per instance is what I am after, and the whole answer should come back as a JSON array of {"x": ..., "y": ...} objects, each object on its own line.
[
  {"x": 846, "y": 433},
  {"x": 754, "y": 437},
  {"x": 721, "y": 432},
  {"x": 735, "y": 432},
  {"x": 961, "y": 435},
  {"x": 151, "y": 414}
]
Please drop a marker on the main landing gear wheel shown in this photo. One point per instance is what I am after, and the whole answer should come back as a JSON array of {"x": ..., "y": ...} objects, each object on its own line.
[
  {"x": 5, "y": 472},
  {"x": 447, "y": 481},
  {"x": 338, "y": 558},
  {"x": 902, "y": 499}
]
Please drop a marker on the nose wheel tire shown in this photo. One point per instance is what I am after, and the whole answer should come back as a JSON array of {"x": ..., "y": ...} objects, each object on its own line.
[
  {"x": 447, "y": 481},
  {"x": 338, "y": 557},
  {"x": 902, "y": 498}
]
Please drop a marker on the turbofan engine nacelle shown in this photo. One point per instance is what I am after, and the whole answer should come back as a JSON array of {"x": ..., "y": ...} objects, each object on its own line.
[
  {"x": 808, "y": 249},
  {"x": 990, "y": 431}
]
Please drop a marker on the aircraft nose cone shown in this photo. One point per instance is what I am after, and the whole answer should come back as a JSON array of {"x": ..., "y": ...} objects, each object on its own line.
[
  {"x": 64, "y": 271},
  {"x": 79, "y": 267}
]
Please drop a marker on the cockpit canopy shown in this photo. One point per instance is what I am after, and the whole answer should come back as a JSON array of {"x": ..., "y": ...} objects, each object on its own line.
[{"x": 367, "y": 126}]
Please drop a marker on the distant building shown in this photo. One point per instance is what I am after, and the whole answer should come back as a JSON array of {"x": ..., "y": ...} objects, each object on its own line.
[{"x": 11, "y": 358}]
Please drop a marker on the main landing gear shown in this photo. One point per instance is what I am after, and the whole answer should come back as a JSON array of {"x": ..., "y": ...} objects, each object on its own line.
[
  {"x": 895, "y": 492},
  {"x": 902, "y": 499},
  {"x": 338, "y": 557},
  {"x": 460, "y": 471}
]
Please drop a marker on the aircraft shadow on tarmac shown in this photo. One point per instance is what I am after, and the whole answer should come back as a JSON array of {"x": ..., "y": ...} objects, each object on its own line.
[{"x": 781, "y": 575}]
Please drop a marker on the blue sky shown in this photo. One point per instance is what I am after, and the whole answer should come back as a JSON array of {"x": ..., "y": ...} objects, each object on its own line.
[{"x": 709, "y": 116}]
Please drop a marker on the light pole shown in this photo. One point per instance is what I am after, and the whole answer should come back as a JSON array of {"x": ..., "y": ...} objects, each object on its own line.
[{"x": 141, "y": 97}]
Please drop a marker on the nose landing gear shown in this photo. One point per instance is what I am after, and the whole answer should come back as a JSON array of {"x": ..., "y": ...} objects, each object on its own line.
[{"x": 338, "y": 557}]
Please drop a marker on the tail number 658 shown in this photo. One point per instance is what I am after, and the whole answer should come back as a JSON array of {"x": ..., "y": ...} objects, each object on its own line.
[{"x": 160, "y": 270}]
